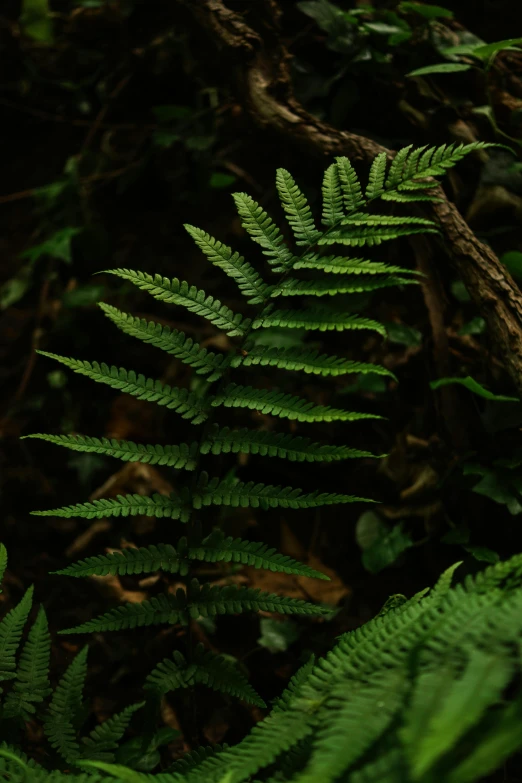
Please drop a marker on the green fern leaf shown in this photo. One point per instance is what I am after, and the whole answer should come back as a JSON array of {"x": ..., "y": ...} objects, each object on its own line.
[
  {"x": 188, "y": 405},
  {"x": 447, "y": 713},
  {"x": 65, "y": 706},
  {"x": 350, "y": 185},
  {"x": 268, "y": 740},
  {"x": 331, "y": 286},
  {"x": 143, "y": 560},
  {"x": 298, "y": 212},
  {"x": 169, "y": 340},
  {"x": 307, "y": 360},
  {"x": 182, "y": 456},
  {"x": 363, "y": 219},
  {"x": 376, "y": 179},
  {"x": 233, "y": 264},
  {"x": 397, "y": 166},
  {"x": 352, "y": 714},
  {"x": 3, "y": 563},
  {"x": 269, "y": 444},
  {"x": 11, "y": 629},
  {"x": 332, "y": 197},
  {"x": 407, "y": 198},
  {"x": 207, "y": 601},
  {"x": 205, "y": 668},
  {"x": 369, "y": 236},
  {"x": 216, "y": 492},
  {"x": 340, "y": 265},
  {"x": 323, "y": 319},
  {"x": 425, "y": 162},
  {"x": 181, "y": 293},
  {"x": 216, "y": 548},
  {"x": 159, "y": 610},
  {"x": 103, "y": 740},
  {"x": 295, "y": 687},
  {"x": 263, "y": 231},
  {"x": 283, "y": 405},
  {"x": 32, "y": 674},
  {"x": 194, "y": 758},
  {"x": 159, "y": 506}
]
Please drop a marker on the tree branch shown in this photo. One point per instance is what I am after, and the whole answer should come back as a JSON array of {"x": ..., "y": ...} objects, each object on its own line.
[{"x": 258, "y": 65}]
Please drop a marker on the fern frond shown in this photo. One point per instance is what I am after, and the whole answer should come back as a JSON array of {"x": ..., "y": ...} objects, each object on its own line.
[
  {"x": 171, "y": 341},
  {"x": 332, "y": 197},
  {"x": 397, "y": 166},
  {"x": 32, "y": 674},
  {"x": 298, "y": 212},
  {"x": 143, "y": 560},
  {"x": 364, "y": 219},
  {"x": 340, "y": 265},
  {"x": 159, "y": 506},
  {"x": 216, "y": 492},
  {"x": 269, "y": 739},
  {"x": 103, "y": 739},
  {"x": 188, "y": 405},
  {"x": 353, "y": 714},
  {"x": 159, "y": 610},
  {"x": 294, "y": 687},
  {"x": 407, "y": 198},
  {"x": 351, "y": 187},
  {"x": 233, "y": 264},
  {"x": 207, "y": 601},
  {"x": 330, "y": 286},
  {"x": 369, "y": 236},
  {"x": 376, "y": 178},
  {"x": 3, "y": 563},
  {"x": 270, "y": 444},
  {"x": 65, "y": 706},
  {"x": 194, "y": 758},
  {"x": 283, "y": 405},
  {"x": 323, "y": 319},
  {"x": 443, "y": 709},
  {"x": 308, "y": 360},
  {"x": 11, "y": 629},
  {"x": 205, "y": 668},
  {"x": 425, "y": 162},
  {"x": 218, "y": 548},
  {"x": 264, "y": 231},
  {"x": 182, "y": 456},
  {"x": 181, "y": 293}
]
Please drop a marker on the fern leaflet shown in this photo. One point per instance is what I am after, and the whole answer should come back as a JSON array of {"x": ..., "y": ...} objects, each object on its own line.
[
  {"x": 181, "y": 293},
  {"x": 182, "y": 456},
  {"x": 183, "y": 402}
]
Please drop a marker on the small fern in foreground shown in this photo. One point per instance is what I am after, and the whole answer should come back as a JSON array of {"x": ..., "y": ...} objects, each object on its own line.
[
  {"x": 30, "y": 689},
  {"x": 304, "y": 272},
  {"x": 427, "y": 691}
]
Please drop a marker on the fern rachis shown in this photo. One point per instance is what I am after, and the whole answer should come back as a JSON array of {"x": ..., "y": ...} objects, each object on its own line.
[{"x": 348, "y": 222}]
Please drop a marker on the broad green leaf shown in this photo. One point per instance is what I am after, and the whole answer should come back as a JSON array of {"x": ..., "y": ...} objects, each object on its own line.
[
  {"x": 513, "y": 262},
  {"x": 402, "y": 334},
  {"x": 277, "y": 635},
  {"x": 475, "y": 326},
  {"x": 427, "y": 11},
  {"x": 381, "y": 544},
  {"x": 483, "y": 554},
  {"x": 489, "y": 50},
  {"x": 58, "y": 245},
  {"x": 35, "y": 21},
  {"x": 473, "y": 386},
  {"x": 427, "y": 70}
]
